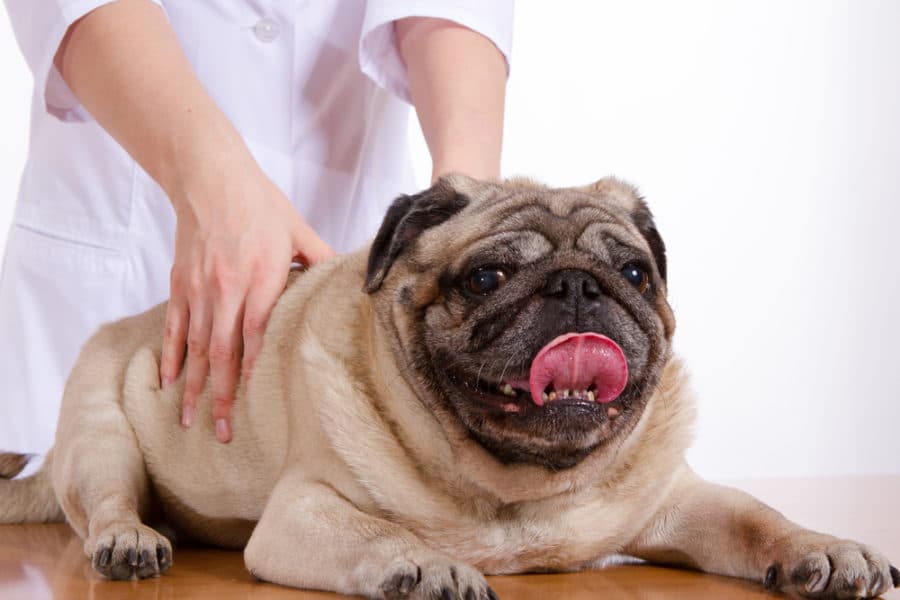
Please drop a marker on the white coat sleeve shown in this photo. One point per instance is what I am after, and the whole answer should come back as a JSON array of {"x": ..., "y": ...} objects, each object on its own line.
[
  {"x": 39, "y": 26},
  {"x": 379, "y": 57}
]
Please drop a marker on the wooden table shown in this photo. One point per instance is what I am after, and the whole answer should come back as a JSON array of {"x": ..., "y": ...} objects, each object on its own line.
[{"x": 46, "y": 561}]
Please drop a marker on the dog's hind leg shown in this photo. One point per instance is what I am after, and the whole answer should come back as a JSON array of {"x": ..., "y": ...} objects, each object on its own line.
[
  {"x": 27, "y": 500},
  {"x": 98, "y": 470}
]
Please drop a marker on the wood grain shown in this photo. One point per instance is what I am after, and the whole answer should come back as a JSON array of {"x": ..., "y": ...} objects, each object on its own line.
[{"x": 47, "y": 562}]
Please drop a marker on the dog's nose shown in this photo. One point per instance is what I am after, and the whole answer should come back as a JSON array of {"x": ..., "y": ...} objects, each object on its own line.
[{"x": 572, "y": 284}]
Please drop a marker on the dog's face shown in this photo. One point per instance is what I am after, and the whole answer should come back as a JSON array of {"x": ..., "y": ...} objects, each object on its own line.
[{"x": 535, "y": 318}]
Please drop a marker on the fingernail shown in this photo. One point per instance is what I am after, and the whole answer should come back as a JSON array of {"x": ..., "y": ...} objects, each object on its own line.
[
  {"x": 187, "y": 415},
  {"x": 223, "y": 430}
]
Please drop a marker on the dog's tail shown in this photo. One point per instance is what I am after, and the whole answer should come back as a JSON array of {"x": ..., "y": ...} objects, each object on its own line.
[{"x": 30, "y": 499}]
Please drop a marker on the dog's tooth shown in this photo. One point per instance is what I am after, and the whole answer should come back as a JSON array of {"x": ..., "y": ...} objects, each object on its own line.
[
  {"x": 590, "y": 395},
  {"x": 544, "y": 397},
  {"x": 552, "y": 396},
  {"x": 612, "y": 412},
  {"x": 507, "y": 390},
  {"x": 566, "y": 393}
]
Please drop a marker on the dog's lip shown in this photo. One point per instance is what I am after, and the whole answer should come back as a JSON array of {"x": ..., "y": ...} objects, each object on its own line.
[
  {"x": 518, "y": 385},
  {"x": 522, "y": 406},
  {"x": 488, "y": 394}
]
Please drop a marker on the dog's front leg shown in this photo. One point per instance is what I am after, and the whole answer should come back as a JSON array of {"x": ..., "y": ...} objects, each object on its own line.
[
  {"x": 722, "y": 530},
  {"x": 310, "y": 536}
]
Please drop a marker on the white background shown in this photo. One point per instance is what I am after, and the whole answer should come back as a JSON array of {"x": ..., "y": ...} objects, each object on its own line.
[{"x": 765, "y": 135}]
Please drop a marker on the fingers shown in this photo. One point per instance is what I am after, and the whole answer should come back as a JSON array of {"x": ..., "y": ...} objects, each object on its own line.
[
  {"x": 214, "y": 325},
  {"x": 225, "y": 346},
  {"x": 259, "y": 304},
  {"x": 215, "y": 347},
  {"x": 310, "y": 249},
  {"x": 197, "y": 358},
  {"x": 174, "y": 339},
  {"x": 309, "y": 246},
  {"x": 229, "y": 272}
]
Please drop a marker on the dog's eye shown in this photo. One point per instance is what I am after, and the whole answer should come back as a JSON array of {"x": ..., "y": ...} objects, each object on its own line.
[
  {"x": 484, "y": 281},
  {"x": 636, "y": 276}
]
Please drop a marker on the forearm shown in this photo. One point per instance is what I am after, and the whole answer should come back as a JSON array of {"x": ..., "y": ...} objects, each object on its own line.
[
  {"x": 125, "y": 65},
  {"x": 714, "y": 529},
  {"x": 457, "y": 81}
]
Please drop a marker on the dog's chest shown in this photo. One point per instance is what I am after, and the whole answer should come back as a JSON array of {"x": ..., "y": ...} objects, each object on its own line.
[{"x": 551, "y": 536}]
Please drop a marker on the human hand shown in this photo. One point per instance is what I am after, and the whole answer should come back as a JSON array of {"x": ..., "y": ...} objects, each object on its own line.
[
  {"x": 236, "y": 232},
  {"x": 236, "y": 236}
]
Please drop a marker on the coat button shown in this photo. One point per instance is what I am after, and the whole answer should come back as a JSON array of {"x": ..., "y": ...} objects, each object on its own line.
[{"x": 266, "y": 30}]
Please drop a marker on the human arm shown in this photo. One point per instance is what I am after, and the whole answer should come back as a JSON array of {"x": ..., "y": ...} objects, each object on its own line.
[
  {"x": 236, "y": 231},
  {"x": 457, "y": 82}
]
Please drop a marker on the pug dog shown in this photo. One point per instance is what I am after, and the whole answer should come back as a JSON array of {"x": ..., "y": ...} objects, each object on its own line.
[{"x": 489, "y": 389}]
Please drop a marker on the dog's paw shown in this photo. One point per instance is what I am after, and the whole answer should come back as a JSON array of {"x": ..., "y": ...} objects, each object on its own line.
[
  {"x": 833, "y": 568},
  {"x": 129, "y": 551},
  {"x": 434, "y": 578}
]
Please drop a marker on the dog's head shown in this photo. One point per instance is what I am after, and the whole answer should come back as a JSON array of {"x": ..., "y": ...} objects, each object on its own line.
[{"x": 535, "y": 318}]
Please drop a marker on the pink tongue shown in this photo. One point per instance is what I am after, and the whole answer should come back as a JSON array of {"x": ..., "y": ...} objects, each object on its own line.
[{"x": 575, "y": 361}]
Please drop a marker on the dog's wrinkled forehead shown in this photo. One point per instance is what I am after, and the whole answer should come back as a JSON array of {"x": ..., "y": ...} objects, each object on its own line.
[
  {"x": 459, "y": 215},
  {"x": 530, "y": 220},
  {"x": 610, "y": 194}
]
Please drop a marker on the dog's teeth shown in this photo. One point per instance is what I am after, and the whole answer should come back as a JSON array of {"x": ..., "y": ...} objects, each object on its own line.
[
  {"x": 544, "y": 397},
  {"x": 507, "y": 390},
  {"x": 612, "y": 412},
  {"x": 566, "y": 393},
  {"x": 552, "y": 396},
  {"x": 590, "y": 396}
]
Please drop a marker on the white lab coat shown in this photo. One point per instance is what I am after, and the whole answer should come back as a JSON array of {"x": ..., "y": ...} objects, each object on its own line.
[{"x": 320, "y": 95}]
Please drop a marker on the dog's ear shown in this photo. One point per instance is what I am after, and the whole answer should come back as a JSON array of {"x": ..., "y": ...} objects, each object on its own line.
[
  {"x": 408, "y": 217},
  {"x": 628, "y": 197},
  {"x": 643, "y": 218}
]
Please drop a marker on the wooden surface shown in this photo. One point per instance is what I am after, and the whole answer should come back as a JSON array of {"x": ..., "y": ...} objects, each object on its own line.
[{"x": 46, "y": 561}]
